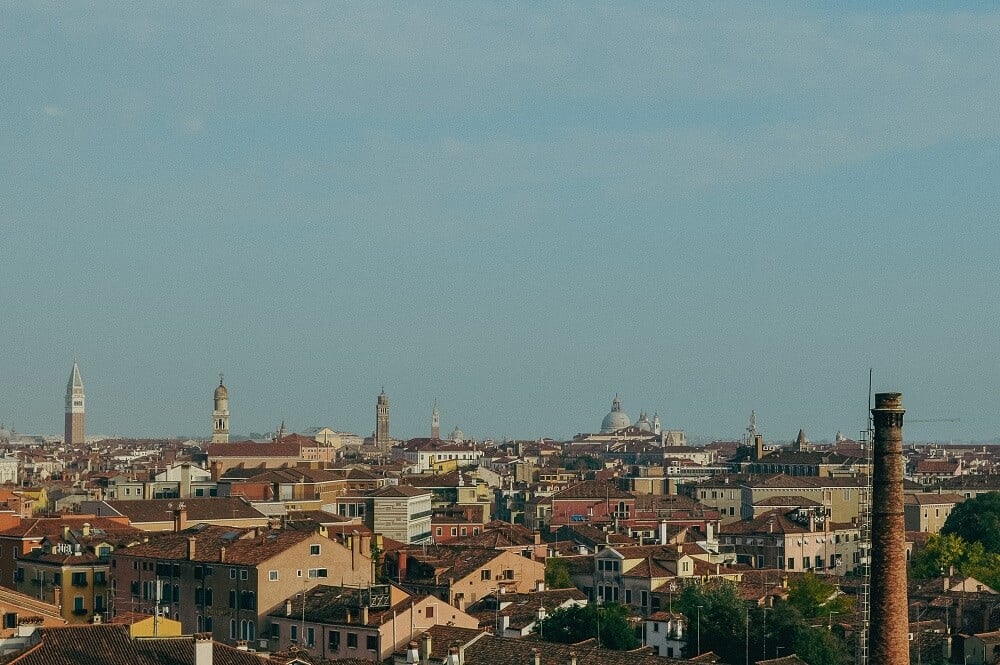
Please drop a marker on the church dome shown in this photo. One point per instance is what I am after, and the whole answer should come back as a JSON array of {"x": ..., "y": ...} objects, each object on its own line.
[
  {"x": 457, "y": 435},
  {"x": 615, "y": 420},
  {"x": 221, "y": 392}
]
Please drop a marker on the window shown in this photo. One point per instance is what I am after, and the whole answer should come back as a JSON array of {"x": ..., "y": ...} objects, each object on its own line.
[
  {"x": 78, "y": 605},
  {"x": 310, "y": 636},
  {"x": 508, "y": 574},
  {"x": 656, "y": 626},
  {"x": 454, "y": 530},
  {"x": 272, "y": 576},
  {"x": 298, "y": 573},
  {"x": 628, "y": 596},
  {"x": 465, "y": 531},
  {"x": 232, "y": 573},
  {"x": 334, "y": 640},
  {"x": 371, "y": 642},
  {"x": 352, "y": 640},
  {"x": 317, "y": 572},
  {"x": 439, "y": 531},
  {"x": 244, "y": 574},
  {"x": 293, "y": 633},
  {"x": 314, "y": 550},
  {"x": 430, "y": 612},
  {"x": 484, "y": 575}
]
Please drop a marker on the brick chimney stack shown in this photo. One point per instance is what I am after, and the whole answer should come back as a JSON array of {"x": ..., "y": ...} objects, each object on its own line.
[{"x": 889, "y": 643}]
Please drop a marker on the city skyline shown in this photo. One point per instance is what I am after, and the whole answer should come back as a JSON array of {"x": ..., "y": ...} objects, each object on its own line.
[
  {"x": 219, "y": 410},
  {"x": 518, "y": 212}
]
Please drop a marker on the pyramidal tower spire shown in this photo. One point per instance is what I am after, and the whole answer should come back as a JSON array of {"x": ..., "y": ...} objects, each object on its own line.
[{"x": 74, "y": 432}]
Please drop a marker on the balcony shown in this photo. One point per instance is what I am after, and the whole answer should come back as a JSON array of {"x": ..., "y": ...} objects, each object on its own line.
[
  {"x": 80, "y": 611},
  {"x": 80, "y": 583}
]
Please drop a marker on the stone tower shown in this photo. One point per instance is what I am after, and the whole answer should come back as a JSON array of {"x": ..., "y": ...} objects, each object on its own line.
[
  {"x": 435, "y": 422},
  {"x": 220, "y": 414},
  {"x": 382, "y": 418},
  {"x": 74, "y": 433},
  {"x": 888, "y": 638}
]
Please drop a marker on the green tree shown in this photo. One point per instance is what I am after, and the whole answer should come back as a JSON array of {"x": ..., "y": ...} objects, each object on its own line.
[
  {"x": 942, "y": 552},
  {"x": 723, "y": 619},
  {"x": 585, "y": 463},
  {"x": 557, "y": 574},
  {"x": 977, "y": 520},
  {"x": 789, "y": 630},
  {"x": 813, "y": 597},
  {"x": 949, "y": 553},
  {"x": 607, "y": 623}
]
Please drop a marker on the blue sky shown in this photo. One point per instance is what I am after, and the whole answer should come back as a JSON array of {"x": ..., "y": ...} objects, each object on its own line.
[{"x": 519, "y": 210}]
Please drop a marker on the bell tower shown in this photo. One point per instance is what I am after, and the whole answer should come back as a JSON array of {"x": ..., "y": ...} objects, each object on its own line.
[
  {"x": 435, "y": 422},
  {"x": 220, "y": 414},
  {"x": 74, "y": 433},
  {"x": 382, "y": 418}
]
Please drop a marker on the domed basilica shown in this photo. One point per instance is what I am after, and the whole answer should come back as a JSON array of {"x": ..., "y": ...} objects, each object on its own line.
[{"x": 617, "y": 420}]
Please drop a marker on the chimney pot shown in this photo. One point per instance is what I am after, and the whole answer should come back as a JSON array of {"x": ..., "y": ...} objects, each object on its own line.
[
  {"x": 203, "y": 649},
  {"x": 425, "y": 655}
]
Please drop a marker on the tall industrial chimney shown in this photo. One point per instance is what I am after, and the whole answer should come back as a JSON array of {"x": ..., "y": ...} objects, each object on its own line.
[{"x": 889, "y": 644}]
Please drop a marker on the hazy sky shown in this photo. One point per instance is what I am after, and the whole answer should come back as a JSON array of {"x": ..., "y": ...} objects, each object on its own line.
[{"x": 517, "y": 209}]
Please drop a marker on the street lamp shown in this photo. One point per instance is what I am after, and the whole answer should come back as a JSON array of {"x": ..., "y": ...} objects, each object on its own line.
[
  {"x": 699, "y": 630},
  {"x": 746, "y": 648},
  {"x": 763, "y": 631}
]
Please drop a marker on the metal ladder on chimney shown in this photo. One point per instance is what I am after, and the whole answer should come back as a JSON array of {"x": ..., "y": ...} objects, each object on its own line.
[{"x": 865, "y": 542}]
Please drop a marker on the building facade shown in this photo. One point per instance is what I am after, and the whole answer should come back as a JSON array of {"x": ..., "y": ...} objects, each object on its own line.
[{"x": 226, "y": 581}]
